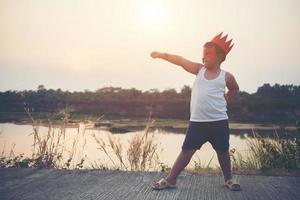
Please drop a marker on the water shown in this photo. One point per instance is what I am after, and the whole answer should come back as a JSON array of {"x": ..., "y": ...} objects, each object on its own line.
[{"x": 169, "y": 144}]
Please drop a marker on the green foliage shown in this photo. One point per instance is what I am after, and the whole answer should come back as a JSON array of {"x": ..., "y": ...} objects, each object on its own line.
[
  {"x": 270, "y": 153},
  {"x": 200, "y": 166},
  {"x": 16, "y": 162},
  {"x": 80, "y": 165},
  {"x": 162, "y": 167},
  {"x": 297, "y": 142},
  {"x": 278, "y": 103},
  {"x": 48, "y": 148}
]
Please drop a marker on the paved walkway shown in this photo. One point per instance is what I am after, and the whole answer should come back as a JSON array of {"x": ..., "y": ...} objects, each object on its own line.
[{"x": 22, "y": 184}]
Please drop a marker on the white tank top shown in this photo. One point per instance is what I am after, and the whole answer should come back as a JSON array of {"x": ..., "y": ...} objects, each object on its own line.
[{"x": 208, "y": 102}]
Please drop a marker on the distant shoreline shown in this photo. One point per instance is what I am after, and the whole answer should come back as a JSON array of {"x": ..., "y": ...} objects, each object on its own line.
[{"x": 124, "y": 125}]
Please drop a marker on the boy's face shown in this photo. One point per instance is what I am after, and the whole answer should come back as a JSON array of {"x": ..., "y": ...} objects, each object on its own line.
[{"x": 210, "y": 58}]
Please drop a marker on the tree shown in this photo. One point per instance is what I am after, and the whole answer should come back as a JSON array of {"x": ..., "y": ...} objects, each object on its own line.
[
  {"x": 41, "y": 88},
  {"x": 186, "y": 91}
]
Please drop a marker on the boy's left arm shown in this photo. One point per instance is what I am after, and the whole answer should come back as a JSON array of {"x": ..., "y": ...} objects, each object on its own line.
[{"x": 233, "y": 87}]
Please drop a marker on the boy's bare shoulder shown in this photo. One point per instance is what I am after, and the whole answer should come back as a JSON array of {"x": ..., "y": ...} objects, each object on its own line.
[
  {"x": 230, "y": 81},
  {"x": 198, "y": 67},
  {"x": 228, "y": 75}
]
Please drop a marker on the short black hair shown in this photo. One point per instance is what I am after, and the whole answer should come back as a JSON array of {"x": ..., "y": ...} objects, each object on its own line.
[{"x": 219, "y": 50}]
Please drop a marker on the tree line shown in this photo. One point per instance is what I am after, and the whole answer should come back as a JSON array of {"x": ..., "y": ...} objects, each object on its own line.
[{"x": 277, "y": 103}]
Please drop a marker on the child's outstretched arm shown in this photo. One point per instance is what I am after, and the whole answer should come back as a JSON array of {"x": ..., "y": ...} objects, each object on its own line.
[
  {"x": 189, "y": 66},
  {"x": 233, "y": 88}
]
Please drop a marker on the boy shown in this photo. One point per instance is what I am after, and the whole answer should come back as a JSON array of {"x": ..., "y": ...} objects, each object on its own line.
[{"x": 208, "y": 119}]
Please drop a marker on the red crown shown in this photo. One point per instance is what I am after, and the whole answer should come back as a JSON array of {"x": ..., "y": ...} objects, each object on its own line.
[{"x": 222, "y": 42}]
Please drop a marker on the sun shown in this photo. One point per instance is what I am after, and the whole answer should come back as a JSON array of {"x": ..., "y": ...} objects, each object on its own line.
[{"x": 153, "y": 14}]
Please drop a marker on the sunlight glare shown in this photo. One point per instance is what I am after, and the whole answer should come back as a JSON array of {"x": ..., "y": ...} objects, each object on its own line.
[
  {"x": 77, "y": 60},
  {"x": 153, "y": 14}
]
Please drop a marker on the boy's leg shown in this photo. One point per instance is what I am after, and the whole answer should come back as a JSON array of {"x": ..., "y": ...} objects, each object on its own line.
[
  {"x": 224, "y": 160},
  {"x": 220, "y": 142},
  {"x": 181, "y": 162},
  {"x": 193, "y": 140}
]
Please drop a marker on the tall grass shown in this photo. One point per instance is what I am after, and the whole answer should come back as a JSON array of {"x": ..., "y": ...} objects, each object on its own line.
[
  {"x": 46, "y": 151},
  {"x": 269, "y": 153},
  {"x": 141, "y": 154},
  {"x": 55, "y": 150},
  {"x": 49, "y": 149},
  {"x": 200, "y": 166}
]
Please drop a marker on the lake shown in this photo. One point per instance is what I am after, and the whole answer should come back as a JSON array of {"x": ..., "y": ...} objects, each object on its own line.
[{"x": 19, "y": 138}]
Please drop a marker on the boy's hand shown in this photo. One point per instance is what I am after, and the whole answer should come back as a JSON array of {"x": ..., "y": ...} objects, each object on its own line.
[
  {"x": 156, "y": 54},
  {"x": 189, "y": 66}
]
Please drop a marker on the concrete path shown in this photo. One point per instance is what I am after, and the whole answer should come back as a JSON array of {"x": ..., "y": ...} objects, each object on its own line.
[{"x": 37, "y": 184}]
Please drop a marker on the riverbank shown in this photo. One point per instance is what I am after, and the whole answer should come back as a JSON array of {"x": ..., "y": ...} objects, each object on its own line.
[
  {"x": 17, "y": 183},
  {"x": 125, "y": 125}
]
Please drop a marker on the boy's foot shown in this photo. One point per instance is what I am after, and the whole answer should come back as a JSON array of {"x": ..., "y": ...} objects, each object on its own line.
[
  {"x": 233, "y": 186},
  {"x": 163, "y": 184}
]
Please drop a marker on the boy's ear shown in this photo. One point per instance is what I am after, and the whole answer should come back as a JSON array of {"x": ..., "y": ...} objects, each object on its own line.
[{"x": 221, "y": 57}]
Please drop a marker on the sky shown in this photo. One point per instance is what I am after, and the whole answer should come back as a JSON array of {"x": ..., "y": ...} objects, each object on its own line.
[{"x": 86, "y": 45}]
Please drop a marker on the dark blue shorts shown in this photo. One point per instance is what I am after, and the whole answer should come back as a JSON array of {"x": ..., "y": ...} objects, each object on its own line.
[{"x": 217, "y": 133}]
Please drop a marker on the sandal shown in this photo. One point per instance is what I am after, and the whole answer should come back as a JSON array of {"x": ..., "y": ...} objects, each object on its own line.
[
  {"x": 163, "y": 184},
  {"x": 233, "y": 186}
]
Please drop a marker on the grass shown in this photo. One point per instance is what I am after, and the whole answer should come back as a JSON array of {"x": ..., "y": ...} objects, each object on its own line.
[
  {"x": 199, "y": 166},
  {"x": 49, "y": 149},
  {"x": 266, "y": 155},
  {"x": 272, "y": 153},
  {"x": 53, "y": 150},
  {"x": 141, "y": 154}
]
